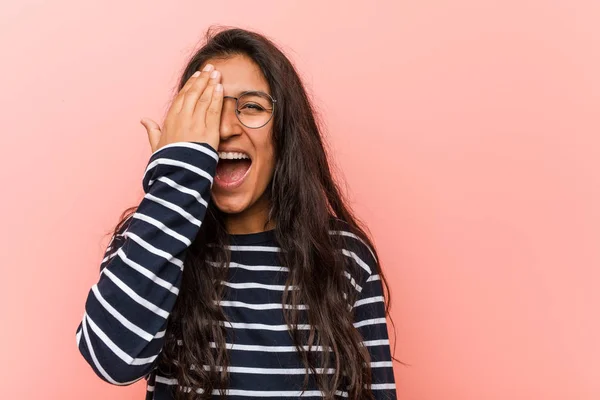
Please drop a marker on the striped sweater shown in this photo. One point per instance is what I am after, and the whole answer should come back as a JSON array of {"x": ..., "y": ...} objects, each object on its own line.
[{"x": 123, "y": 327}]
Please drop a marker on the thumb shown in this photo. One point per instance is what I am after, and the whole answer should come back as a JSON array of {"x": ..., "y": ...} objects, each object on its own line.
[{"x": 153, "y": 130}]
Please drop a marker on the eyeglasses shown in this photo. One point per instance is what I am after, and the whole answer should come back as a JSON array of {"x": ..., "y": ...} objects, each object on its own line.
[{"x": 254, "y": 109}]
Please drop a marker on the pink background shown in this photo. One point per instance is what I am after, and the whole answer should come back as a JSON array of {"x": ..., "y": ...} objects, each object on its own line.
[{"x": 468, "y": 132}]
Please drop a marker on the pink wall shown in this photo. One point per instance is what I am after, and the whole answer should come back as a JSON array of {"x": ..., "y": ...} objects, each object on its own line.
[{"x": 468, "y": 131}]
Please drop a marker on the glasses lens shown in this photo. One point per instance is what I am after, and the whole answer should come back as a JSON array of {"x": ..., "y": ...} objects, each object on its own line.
[{"x": 255, "y": 109}]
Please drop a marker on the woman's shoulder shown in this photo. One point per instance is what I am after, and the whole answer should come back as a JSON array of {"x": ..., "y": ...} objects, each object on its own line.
[{"x": 355, "y": 245}]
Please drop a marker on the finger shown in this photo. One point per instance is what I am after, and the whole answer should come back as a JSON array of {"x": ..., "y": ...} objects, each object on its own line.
[
  {"x": 153, "y": 130},
  {"x": 213, "y": 113},
  {"x": 195, "y": 92},
  {"x": 179, "y": 99},
  {"x": 203, "y": 102}
]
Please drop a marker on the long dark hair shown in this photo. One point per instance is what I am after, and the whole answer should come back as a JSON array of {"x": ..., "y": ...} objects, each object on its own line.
[{"x": 306, "y": 203}]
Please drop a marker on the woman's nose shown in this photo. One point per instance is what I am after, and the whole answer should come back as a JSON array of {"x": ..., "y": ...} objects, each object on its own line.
[{"x": 230, "y": 125}]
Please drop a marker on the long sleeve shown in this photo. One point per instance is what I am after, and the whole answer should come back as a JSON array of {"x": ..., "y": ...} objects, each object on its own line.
[
  {"x": 123, "y": 326},
  {"x": 370, "y": 320}
]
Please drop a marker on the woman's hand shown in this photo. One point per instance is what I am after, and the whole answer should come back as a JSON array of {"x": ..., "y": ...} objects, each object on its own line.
[{"x": 194, "y": 116}]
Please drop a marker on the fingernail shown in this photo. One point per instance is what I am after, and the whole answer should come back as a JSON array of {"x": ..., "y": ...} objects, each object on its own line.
[
  {"x": 196, "y": 74},
  {"x": 214, "y": 74},
  {"x": 208, "y": 67},
  {"x": 219, "y": 88}
]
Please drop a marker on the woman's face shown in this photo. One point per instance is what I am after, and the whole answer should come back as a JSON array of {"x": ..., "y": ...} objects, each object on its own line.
[{"x": 240, "y": 184}]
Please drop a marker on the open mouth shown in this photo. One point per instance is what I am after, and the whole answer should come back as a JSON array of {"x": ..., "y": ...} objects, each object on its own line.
[{"x": 232, "y": 168}]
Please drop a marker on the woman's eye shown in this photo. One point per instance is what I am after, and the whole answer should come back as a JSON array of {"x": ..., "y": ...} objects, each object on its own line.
[{"x": 253, "y": 106}]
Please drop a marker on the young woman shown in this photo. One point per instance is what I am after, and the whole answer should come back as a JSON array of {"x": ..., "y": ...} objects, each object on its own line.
[{"x": 242, "y": 273}]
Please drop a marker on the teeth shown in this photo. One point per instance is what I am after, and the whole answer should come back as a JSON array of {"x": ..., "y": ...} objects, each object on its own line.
[{"x": 233, "y": 156}]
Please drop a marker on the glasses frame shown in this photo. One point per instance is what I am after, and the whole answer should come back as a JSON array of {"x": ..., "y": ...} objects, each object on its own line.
[{"x": 237, "y": 111}]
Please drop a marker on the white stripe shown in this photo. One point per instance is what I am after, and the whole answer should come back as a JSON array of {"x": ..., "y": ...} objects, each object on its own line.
[
  {"x": 255, "y": 285},
  {"x": 352, "y": 235},
  {"x": 265, "y": 349},
  {"x": 147, "y": 273},
  {"x": 382, "y": 364},
  {"x": 368, "y": 300},
  {"x": 264, "y": 393},
  {"x": 169, "y": 257},
  {"x": 189, "y": 167},
  {"x": 277, "y": 269},
  {"x": 175, "y": 208},
  {"x": 274, "y": 268},
  {"x": 288, "y": 371},
  {"x": 254, "y": 248},
  {"x": 383, "y": 386},
  {"x": 262, "y": 306},
  {"x": 379, "y": 342},
  {"x": 134, "y": 296},
  {"x": 119, "y": 317},
  {"x": 160, "y": 334},
  {"x": 356, "y": 258},
  {"x": 254, "y": 393},
  {"x": 182, "y": 189},
  {"x": 286, "y": 393},
  {"x": 372, "y": 278},
  {"x": 173, "y": 382},
  {"x": 243, "y": 325},
  {"x": 190, "y": 145},
  {"x": 116, "y": 349},
  {"x": 271, "y": 371},
  {"x": 353, "y": 282},
  {"x": 165, "y": 381},
  {"x": 163, "y": 228},
  {"x": 150, "y": 388},
  {"x": 373, "y": 321},
  {"x": 105, "y": 259},
  {"x": 289, "y": 349}
]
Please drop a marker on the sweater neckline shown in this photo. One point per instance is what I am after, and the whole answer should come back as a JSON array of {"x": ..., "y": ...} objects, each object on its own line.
[{"x": 253, "y": 238}]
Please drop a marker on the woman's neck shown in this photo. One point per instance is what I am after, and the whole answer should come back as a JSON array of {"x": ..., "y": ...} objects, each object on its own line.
[{"x": 252, "y": 220}]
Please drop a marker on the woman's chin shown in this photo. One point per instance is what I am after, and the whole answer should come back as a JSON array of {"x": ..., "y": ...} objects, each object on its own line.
[{"x": 230, "y": 204}]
